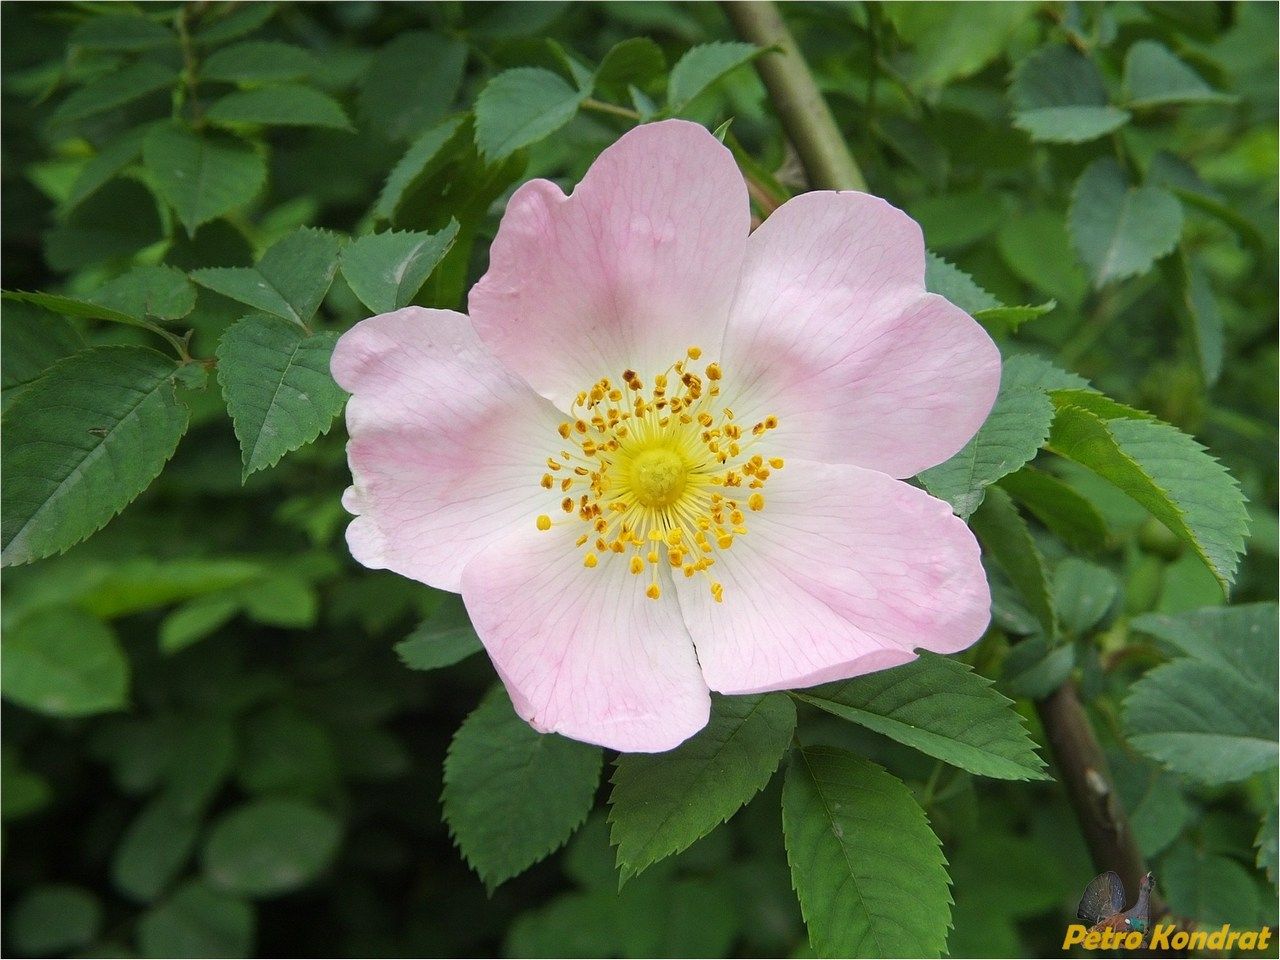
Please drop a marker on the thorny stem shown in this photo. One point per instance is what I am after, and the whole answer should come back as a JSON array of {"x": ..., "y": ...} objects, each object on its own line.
[
  {"x": 829, "y": 165},
  {"x": 805, "y": 116}
]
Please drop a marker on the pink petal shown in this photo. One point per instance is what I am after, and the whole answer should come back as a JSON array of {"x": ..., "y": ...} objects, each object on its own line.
[
  {"x": 845, "y": 571},
  {"x": 638, "y": 264},
  {"x": 833, "y": 333},
  {"x": 583, "y": 652},
  {"x": 446, "y": 450}
]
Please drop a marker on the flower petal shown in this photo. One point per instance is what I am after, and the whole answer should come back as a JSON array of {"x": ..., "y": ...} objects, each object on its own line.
[
  {"x": 845, "y": 571},
  {"x": 583, "y": 652},
  {"x": 638, "y": 264},
  {"x": 446, "y": 446},
  {"x": 833, "y": 333}
]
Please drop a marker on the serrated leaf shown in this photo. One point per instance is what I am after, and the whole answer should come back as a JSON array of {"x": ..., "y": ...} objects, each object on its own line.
[
  {"x": 197, "y": 921},
  {"x": 1059, "y": 507},
  {"x": 1211, "y": 714},
  {"x": 1013, "y": 432},
  {"x": 268, "y": 847},
  {"x": 952, "y": 41},
  {"x": 62, "y": 662},
  {"x": 1196, "y": 303},
  {"x": 411, "y": 83},
  {"x": 1005, "y": 539},
  {"x": 1119, "y": 231},
  {"x": 948, "y": 280},
  {"x": 867, "y": 868},
  {"x": 1154, "y": 76},
  {"x": 31, "y": 341},
  {"x": 939, "y": 707},
  {"x": 1034, "y": 669},
  {"x": 1071, "y": 124},
  {"x": 1164, "y": 470},
  {"x": 425, "y": 157},
  {"x": 1056, "y": 75},
  {"x": 522, "y": 106},
  {"x": 511, "y": 794},
  {"x": 386, "y": 270},
  {"x": 1004, "y": 320},
  {"x": 202, "y": 176},
  {"x": 82, "y": 442},
  {"x": 443, "y": 639},
  {"x": 276, "y": 381},
  {"x": 280, "y": 105},
  {"x": 113, "y": 90},
  {"x": 637, "y": 60},
  {"x": 702, "y": 66},
  {"x": 122, "y": 32},
  {"x": 258, "y": 61},
  {"x": 291, "y": 279},
  {"x": 163, "y": 293},
  {"x": 662, "y": 803},
  {"x": 72, "y": 307},
  {"x": 1037, "y": 247}
]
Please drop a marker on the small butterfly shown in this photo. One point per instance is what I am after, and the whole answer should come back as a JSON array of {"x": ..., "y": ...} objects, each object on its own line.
[{"x": 1103, "y": 904}]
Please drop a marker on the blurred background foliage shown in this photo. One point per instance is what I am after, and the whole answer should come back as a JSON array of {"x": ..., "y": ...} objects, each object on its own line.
[{"x": 211, "y": 745}]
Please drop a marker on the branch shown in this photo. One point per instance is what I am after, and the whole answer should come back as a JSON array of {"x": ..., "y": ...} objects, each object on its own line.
[
  {"x": 1091, "y": 789},
  {"x": 805, "y": 116}
]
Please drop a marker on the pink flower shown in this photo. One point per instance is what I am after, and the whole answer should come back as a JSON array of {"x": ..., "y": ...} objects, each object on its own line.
[{"x": 660, "y": 455}]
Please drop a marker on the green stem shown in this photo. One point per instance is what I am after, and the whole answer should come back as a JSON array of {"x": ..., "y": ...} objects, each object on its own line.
[
  {"x": 599, "y": 106},
  {"x": 805, "y": 116}
]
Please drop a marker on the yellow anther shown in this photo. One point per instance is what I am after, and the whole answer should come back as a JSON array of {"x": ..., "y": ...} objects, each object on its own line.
[
  {"x": 724, "y": 541},
  {"x": 776, "y": 463},
  {"x": 654, "y": 591},
  {"x": 589, "y": 560},
  {"x": 717, "y": 591},
  {"x": 637, "y": 565},
  {"x": 544, "y": 522},
  {"x": 756, "y": 501},
  {"x": 546, "y": 481},
  {"x": 552, "y": 464},
  {"x": 770, "y": 422},
  {"x": 694, "y": 352},
  {"x": 564, "y": 430}
]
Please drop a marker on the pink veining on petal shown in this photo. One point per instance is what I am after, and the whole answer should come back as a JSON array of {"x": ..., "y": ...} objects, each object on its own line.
[{"x": 636, "y": 265}]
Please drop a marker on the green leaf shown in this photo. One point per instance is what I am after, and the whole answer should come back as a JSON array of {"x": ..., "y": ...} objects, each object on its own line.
[
  {"x": 31, "y": 341},
  {"x": 1075, "y": 124},
  {"x": 197, "y": 921},
  {"x": 702, "y": 66},
  {"x": 123, "y": 33},
  {"x": 1059, "y": 97},
  {"x": 196, "y": 620},
  {"x": 1118, "y": 230},
  {"x": 73, "y": 307},
  {"x": 202, "y": 176},
  {"x": 24, "y": 792},
  {"x": 954, "y": 41},
  {"x": 947, "y": 280},
  {"x": 1195, "y": 299},
  {"x": 113, "y": 90},
  {"x": 1059, "y": 507},
  {"x": 869, "y": 872},
  {"x": 162, "y": 293},
  {"x": 1005, "y": 539},
  {"x": 1210, "y": 887},
  {"x": 1153, "y": 77},
  {"x": 1211, "y": 714},
  {"x": 268, "y": 847},
  {"x": 662, "y": 802},
  {"x": 62, "y": 662},
  {"x": 427, "y": 155},
  {"x": 111, "y": 158},
  {"x": 412, "y": 83},
  {"x": 287, "y": 754},
  {"x": 1000, "y": 321},
  {"x": 281, "y": 105},
  {"x": 279, "y": 392},
  {"x": 1082, "y": 594},
  {"x": 1037, "y": 247},
  {"x": 81, "y": 443},
  {"x": 229, "y": 23},
  {"x": 939, "y": 707},
  {"x": 511, "y": 794},
  {"x": 441, "y": 640},
  {"x": 386, "y": 270},
  {"x": 522, "y": 106},
  {"x": 1014, "y": 431},
  {"x": 1034, "y": 669},
  {"x": 258, "y": 61},
  {"x": 1161, "y": 468},
  {"x": 1267, "y": 843},
  {"x": 54, "y": 919},
  {"x": 637, "y": 60},
  {"x": 291, "y": 279},
  {"x": 154, "y": 849}
]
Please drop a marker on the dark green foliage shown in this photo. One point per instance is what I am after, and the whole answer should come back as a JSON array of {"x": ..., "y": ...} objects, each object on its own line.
[{"x": 224, "y": 738}]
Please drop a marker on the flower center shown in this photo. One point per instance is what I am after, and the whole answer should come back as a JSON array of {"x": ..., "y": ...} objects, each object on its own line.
[{"x": 661, "y": 475}]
